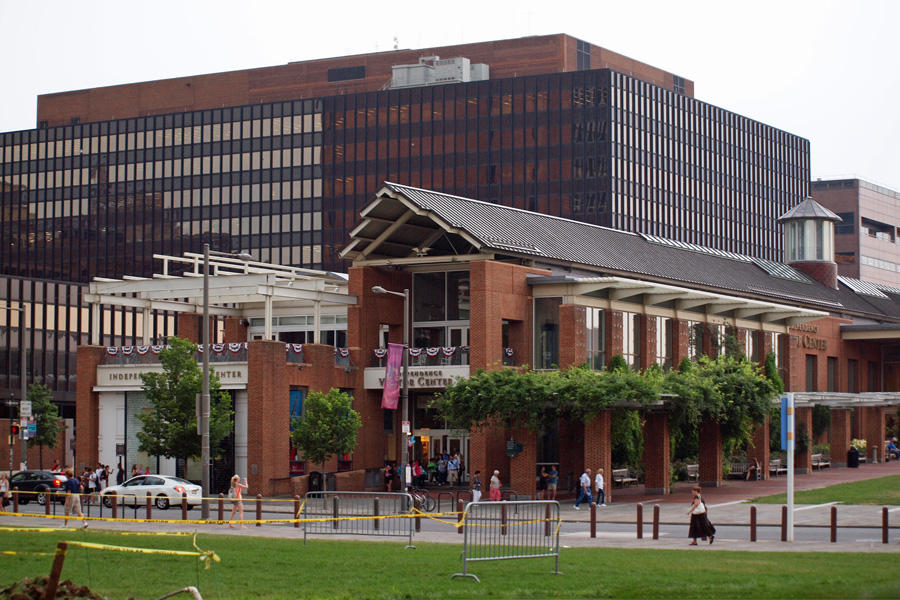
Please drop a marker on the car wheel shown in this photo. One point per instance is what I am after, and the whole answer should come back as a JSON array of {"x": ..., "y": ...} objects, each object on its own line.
[
  {"x": 107, "y": 500},
  {"x": 162, "y": 502},
  {"x": 42, "y": 496}
]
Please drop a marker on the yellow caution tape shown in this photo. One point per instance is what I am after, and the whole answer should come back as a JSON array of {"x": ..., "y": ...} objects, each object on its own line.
[
  {"x": 34, "y": 529},
  {"x": 14, "y": 553},
  {"x": 206, "y": 557}
]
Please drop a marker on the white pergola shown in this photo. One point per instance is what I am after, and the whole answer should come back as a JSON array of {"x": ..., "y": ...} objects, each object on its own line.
[{"x": 237, "y": 288}]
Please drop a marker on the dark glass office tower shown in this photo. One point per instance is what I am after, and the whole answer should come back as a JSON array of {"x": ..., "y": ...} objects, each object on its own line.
[{"x": 285, "y": 181}]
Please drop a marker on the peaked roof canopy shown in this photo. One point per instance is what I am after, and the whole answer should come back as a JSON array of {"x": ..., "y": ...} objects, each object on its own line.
[
  {"x": 809, "y": 209},
  {"x": 407, "y": 225}
]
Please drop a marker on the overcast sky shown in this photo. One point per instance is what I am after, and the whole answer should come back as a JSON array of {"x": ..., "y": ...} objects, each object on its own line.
[{"x": 828, "y": 71}]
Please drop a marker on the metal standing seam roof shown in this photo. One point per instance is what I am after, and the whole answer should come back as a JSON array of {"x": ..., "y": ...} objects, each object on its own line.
[{"x": 511, "y": 230}]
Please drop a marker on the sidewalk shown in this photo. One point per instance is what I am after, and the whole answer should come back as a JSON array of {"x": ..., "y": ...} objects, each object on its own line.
[{"x": 728, "y": 507}]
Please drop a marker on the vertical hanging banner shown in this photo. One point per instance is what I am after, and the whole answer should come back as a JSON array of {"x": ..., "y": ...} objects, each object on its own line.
[{"x": 392, "y": 376}]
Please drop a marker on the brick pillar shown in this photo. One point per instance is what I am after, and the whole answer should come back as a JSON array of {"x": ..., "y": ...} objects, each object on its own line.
[
  {"x": 571, "y": 453},
  {"x": 189, "y": 327},
  {"x": 802, "y": 460},
  {"x": 681, "y": 343},
  {"x": 572, "y": 329},
  {"x": 523, "y": 468},
  {"x": 268, "y": 430},
  {"x": 657, "y": 462},
  {"x": 648, "y": 340},
  {"x": 613, "y": 334},
  {"x": 235, "y": 329},
  {"x": 873, "y": 430},
  {"x": 598, "y": 448},
  {"x": 710, "y": 454},
  {"x": 759, "y": 447},
  {"x": 487, "y": 451},
  {"x": 840, "y": 436},
  {"x": 87, "y": 407}
]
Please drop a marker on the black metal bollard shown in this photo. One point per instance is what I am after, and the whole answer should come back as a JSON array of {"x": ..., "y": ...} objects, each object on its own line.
[
  {"x": 784, "y": 523},
  {"x": 259, "y": 510},
  {"x": 149, "y": 506},
  {"x": 184, "y": 506},
  {"x": 221, "y": 506},
  {"x": 593, "y": 519},
  {"x": 833, "y": 524},
  {"x": 296, "y": 511}
]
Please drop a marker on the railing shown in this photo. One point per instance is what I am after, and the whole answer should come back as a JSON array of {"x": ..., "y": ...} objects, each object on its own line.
[
  {"x": 427, "y": 357},
  {"x": 358, "y": 513},
  {"x": 147, "y": 355}
]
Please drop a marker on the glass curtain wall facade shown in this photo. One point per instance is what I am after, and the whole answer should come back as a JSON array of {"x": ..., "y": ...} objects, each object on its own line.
[{"x": 285, "y": 181}]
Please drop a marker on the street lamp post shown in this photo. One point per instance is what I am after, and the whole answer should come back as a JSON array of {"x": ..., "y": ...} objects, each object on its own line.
[
  {"x": 204, "y": 394},
  {"x": 22, "y": 373},
  {"x": 404, "y": 393}
]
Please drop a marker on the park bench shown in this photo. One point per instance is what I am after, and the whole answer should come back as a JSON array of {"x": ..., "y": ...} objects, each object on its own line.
[
  {"x": 623, "y": 477},
  {"x": 693, "y": 472},
  {"x": 776, "y": 467},
  {"x": 738, "y": 470},
  {"x": 820, "y": 462}
]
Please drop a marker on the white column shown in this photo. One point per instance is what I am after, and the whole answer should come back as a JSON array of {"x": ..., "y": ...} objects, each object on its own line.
[
  {"x": 95, "y": 328},
  {"x": 268, "y": 329},
  {"x": 147, "y": 328},
  {"x": 317, "y": 320}
]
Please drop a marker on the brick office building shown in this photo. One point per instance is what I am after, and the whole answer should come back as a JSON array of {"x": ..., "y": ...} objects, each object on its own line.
[
  {"x": 492, "y": 285},
  {"x": 278, "y": 161}
]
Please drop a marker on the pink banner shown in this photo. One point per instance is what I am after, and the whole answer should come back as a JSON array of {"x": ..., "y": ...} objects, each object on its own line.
[{"x": 392, "y": 376}]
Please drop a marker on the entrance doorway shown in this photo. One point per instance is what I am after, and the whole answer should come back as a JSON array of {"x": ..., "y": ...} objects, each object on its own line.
[{"x": 433, "y": 442}]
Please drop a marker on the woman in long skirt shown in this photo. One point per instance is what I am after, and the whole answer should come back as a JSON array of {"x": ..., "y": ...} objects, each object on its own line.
[{"x": 700, "y": 525}]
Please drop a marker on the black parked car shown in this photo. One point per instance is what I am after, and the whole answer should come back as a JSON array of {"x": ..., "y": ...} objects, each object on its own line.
[{"x": 42, "y": 482}]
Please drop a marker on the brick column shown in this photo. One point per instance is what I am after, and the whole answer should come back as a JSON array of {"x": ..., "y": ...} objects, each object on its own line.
[
  {"x": 657, "y": 461},
  {"x": 598, "y": 448},
  {"x": 487, "y": 451},
  {"x": 873, "y": 430},
  {"x": 572, "y": 329},
  {"x": 268, "y": 430},
  {"x": 681, "y": 343},
  {"x": 87, "y": 407},
  {"x": 571, "y": 453},
  {"x": 840, "y": 436},
  {"x": 189, "y": 327},
  {"x": 710, "y": 454},
  {"x": 759, "y": 447},
  {"x": 522, "y": 468},
  {"x": 613, "y": 334},
  {"x": 648, "y": 340},
  {"x": 235, "y": 330},
  {"x": 802, "y": 460}
]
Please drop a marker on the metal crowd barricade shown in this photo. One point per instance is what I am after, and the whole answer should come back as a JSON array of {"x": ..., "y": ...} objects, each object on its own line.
[
  {"x": 509, "y": 530},
  {"x": 358, "y": 513}
]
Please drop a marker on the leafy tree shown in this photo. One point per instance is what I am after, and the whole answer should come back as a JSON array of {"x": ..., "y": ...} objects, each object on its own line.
[
  {"x": 170, "y": 429},
  {"x": 327, "y": 427},
  {"x": 771, "y": 371},
  {"x": 46, "y": 416}
]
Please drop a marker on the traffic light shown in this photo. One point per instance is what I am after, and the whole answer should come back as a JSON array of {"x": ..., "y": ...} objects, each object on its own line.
[{"x": 14, "y": 429}]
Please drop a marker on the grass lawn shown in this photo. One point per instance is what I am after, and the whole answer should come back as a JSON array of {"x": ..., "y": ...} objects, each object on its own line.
[
  {"x": 881, "y": 491},
  {"x": 255, "y": 567}
]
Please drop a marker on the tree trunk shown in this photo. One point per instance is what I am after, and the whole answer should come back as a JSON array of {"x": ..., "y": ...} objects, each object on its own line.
[
  {"x": 324, "y": 478},
  {"x": 41, "y": 456}
]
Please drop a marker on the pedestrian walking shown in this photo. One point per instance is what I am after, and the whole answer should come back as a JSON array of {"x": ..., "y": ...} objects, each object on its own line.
[
  {"x": 601, "y": 490},
  {"x": 700, "y": 526},
  {"x": 235, "y": 493},
  {"x": 495, "y": 486},
  {"x": 476, "y": 487},
  {"x": 584, "y": 488},
  {"x": 73, "y": 498}
]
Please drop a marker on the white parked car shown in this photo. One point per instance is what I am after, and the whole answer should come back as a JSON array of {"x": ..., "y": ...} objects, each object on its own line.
[{"x": 166, "y": 490}]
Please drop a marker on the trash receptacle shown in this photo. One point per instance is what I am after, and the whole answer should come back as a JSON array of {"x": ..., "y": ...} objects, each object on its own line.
[{"x": 853, "y": 458}]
